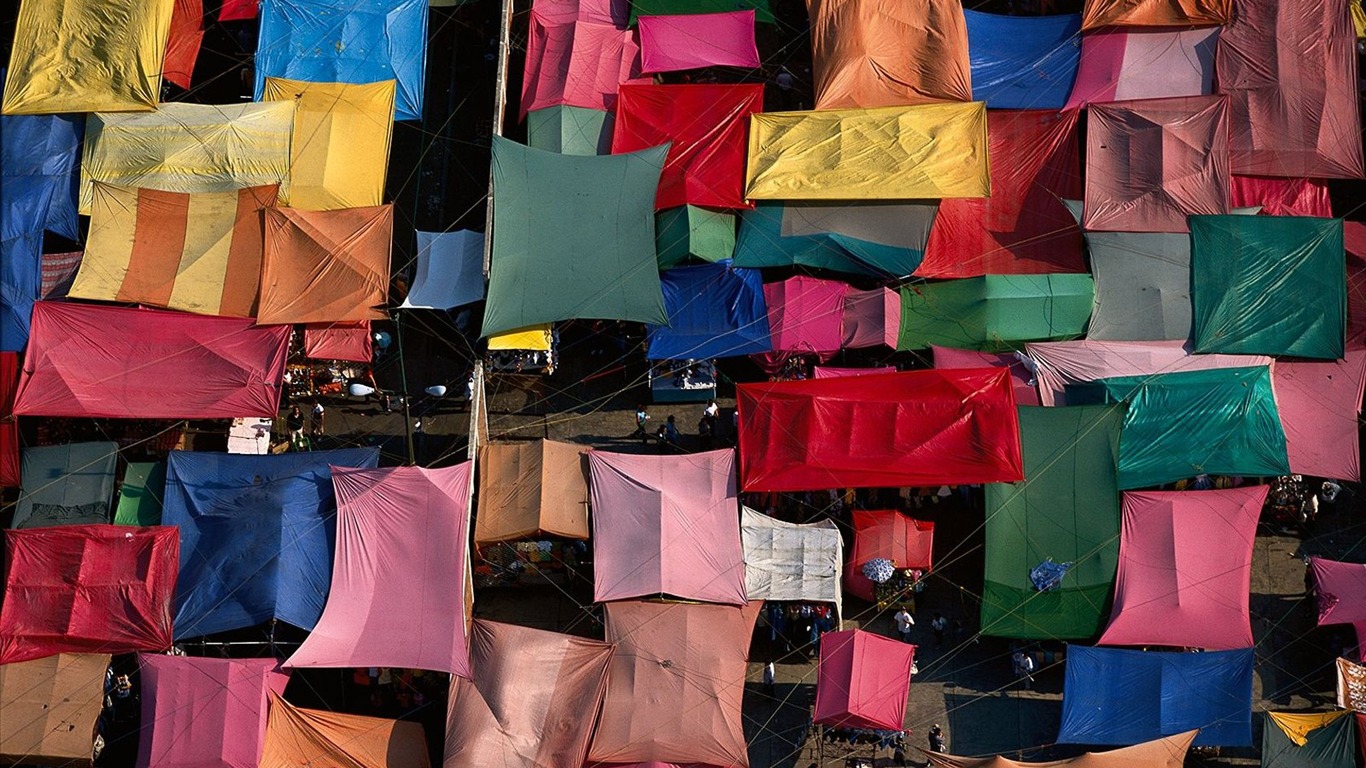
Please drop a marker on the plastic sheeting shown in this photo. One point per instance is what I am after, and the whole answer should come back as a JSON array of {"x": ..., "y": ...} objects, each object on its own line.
[
  {"x": 9, "y": 426},
  {"x": 532, "y": 488},
  {"x": 536, "y": 338},
  {"x": 350, "y": 341},
  {"x": 897, "y": 430},
  {"x": 326, "y": 266},
  {"x": 833, "y": 372},
  {"x": 993, "y": 311},
  {"x": 1319, "y": 404},
  {"x": 1169, "y": 752},
  {"x": 666, "y": 525},
  {"x": 69, "y": 484},
  {"x": 359, "y": 42},
  {"x": 1155, "y": 13},
  {"x": 239, "y": 10},
  {"x": 886, "y": 535},
  {"x": 198, "y": 711},
  {"x": 51, "y": 707},
  {"x": 1341, "y": 591},
  {"x": 87, "y": 589},
  {"x": 296, "y": 736},
  {"x": 197, "y": 252},
  {"x": 1309, "y": 740},
  {"x": 401, "y": 554},
  {"x": 871, "y": 318},
  {"x": 1114, "y": 696},
  {"x": 692, "y": 41},
  {"x": 531, "y": 701},
  {"x": 1249, "y": 280},
  {"x": 895, "y": 153},
  {"x": 762, "y": 13},
  {"x": 87, "y": 56},
  {"x": 686, "y": 711},
  {"x": 576, "y": 63},
  {"x": 1282, "y": 197},
  {"x": 1143, "y": 284},
  {"x": 339, "y": 150},
  {"x": 1023, "y": 227},
  {"x": 183, "y": 43},
  {"x": 690, "y": 233},
  {"x": 878, "y": 239},
  {"x": 1021, "y": 379},
  {"x": 1149, "y": 164},
  {"x": 570, "y": 130},
  {"x": 1060, "y": 363},
  {"x": 882, "y": 53},
  {"x": 1290, "y": 70},
  {"x": 791, "y": 561},
  {"x": 1354, "y": 242},
  {"x": 90, "y": 361},
  {"x": 38, "y": 155},
  {"x": 141, "y": 493},
  {"x": 1067, "y": 511},
  {"x": 704, "y": 127},
  {"x": 1132, "y": 63},
  {"x": 1023, "y": 62},
  {"x": 450, "y": 270},
  {"x": 256, "y": 535},
  {"x": 573, "y": 237},
  {"x": 864, "y": 681},
  {"x": 805, "y": 316},
  {"x": 715, "y": 310},
  {"x": 58, "y": 270}
]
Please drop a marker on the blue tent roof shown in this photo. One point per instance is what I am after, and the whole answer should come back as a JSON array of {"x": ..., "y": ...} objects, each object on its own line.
[
  {"x": 1023, "y": 62},
  {"x": 715, "y": 310},
  {"x": 256, "y": 536}
]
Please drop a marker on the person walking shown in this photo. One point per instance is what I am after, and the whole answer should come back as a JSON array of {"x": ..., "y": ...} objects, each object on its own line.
[
  {"x": 641, "y": 418},
  {"x": 904, "y": 622},
  {"x": 318, "y": 412},
  {"x": 939, "y": 624},
  {"x": 937, "y": 742}
]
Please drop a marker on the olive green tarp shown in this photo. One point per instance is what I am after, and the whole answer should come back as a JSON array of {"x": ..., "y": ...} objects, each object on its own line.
[
  {"x": 144, "y": 486},
  {"x": 1330, "y": 740},
  {"x": 992, "y": 311}
]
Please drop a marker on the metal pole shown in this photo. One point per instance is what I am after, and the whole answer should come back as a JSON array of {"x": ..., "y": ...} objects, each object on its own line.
[
  {"x": 500, "y": 96},
  {"x": 403, "y": 381}
]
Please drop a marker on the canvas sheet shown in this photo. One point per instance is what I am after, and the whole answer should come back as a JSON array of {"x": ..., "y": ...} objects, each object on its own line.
[
  {"x": 791, "y": 561},
  {"x": 1150, "y": 13},
  {"x": 1060, "y": 363},
  {"x": 805, "y": 316},
  {"x": 182, "y": 44},
  {"x": 69, "y": 484},
  {"x": 693, "y": 41},
  {"x": 1282, "y": 197},
  {"x": 689, "y": 233},
  {"x": 863, "y": 681},
  {"x": 1319, "y": 403},
  {"x": 450, "y": 270},
  {"x": 297, "y": 736},
  {"x": 1023, "y": 62},
  {"x": 1340, "y": 589},
  {"x": 839, "y": 237},
  {"x": 1133, "y": 63},
  {"x": 1021, "y": 378},
  {"x": 38, "y": 155},
  {"x": 1169, "y": 752},
  {"x": 576, "y": 63},
  {"x": 198, "y": 710},
  {"x": 995, "y": 311},
  {"x": 715, "y": 310},
  {"x": 141, "y": 494},
  {"x": 570, "y": 130},
  {"x": 10, "y": 476},
  {"x": 871, "y": 318},
  {"x": 51, "y": 708},
  {"x": 349, "y": 340},
  {"x": 326, "y": 266},
  {"x": 1327, "y": 740},
  {"x": 886, "y": 534},
  {"x": 532, "y": 488}
]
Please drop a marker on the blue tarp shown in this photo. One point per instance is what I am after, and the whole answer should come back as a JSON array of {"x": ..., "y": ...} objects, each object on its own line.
[
  {"x": 1023, "y": 62},
  {"x": 356, "y": 41},
  {"x": 715, "y": 310},
  {"x": 256, "y": 536},
  {"x": 1118, "y": 696},
  {"x": 761, "y": 244}
]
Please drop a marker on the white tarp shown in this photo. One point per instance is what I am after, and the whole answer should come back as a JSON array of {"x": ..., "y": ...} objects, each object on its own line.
[
  {"x": 787, "y": 561},
  {"x": 450, "y": 270}
]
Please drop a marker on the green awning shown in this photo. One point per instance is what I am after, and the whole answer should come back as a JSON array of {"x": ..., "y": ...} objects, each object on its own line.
[
  {"x": 993, "y": 311},
  {"x": 144, "y": 485},
  {"x": 689, "y": 232},
  {"x": 570, "y": 130}
]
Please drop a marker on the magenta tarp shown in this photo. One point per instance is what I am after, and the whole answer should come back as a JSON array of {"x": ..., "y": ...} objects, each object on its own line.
[
  {"x": 1185, "y": 569},
  {"x": 1319, "y": 403},
  {"x": 95, "y": 361},
  {"x": 692, "y": 41},
  {"x": 1341, "y": 591},
  {"x": 804, "y": 317},
  {"x": 831, "y": 372},
  {"x": 1059, "y": 363},
  {"x": 199, "y": 712},
  {"x": 576, "y": 63},
  {"x": 666, "y": 525},
  {"x": 1281, "y": 197},
  {"x": 1020, "y": 376},
  {"x": 871, "y": 318},
  {"x": 1129, "y": 63},
  {"x": 398, "y": 597},
  {"x": 864, "y": 680}
]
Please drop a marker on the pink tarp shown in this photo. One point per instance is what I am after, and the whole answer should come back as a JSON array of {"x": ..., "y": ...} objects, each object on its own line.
[
  {"x": 397, "y": 597},
  {"x": 1341, "y": 590},
  {"x": 1151, "y": 163},
  {"x": 949, "y": 358},
  {"x": 1127, "y": 63},
  {"x": 349, "y": 341},
  {"x": 613, "y": 12},
  {"x": 864, "y": 681},
  {"x": 1059, "y": 363},
  {"x": 804, "y": 317},
  {"x": 907, "y": 542},
  {"x": 576, "y": 63},
  {"x": 692, "y": 41},
  {"x": 830, "y": 372},
  {"x": 675, "y": 684},
  {"x": 1354, "y": 240},
  {"x": 200, "y": 711},
  {"x": 666, "y": 525},
  {"x": 95, "y": 361},
  {"x": 1281, "y": 197},
  {"x": 1185, "y": 569},
  {"x": 1319, "y": 403},
  {"x": 871, "y": 318}
]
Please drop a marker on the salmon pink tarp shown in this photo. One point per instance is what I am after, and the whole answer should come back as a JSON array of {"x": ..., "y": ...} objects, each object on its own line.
[
  {"x": 1059, "y": 363},
  {"x": 347, "y": 340},
  {"x": 871, "y": 318},
  {"x": 693, "y": 41},
  {"x": 918, "y": 428},
  {"x": 87, "y": 361},
  {"x": 1319, "y": 403},
  {"x": 1281, "y": 197},
  {"x": 1129, "y": 63},
  {"x": 1341, "y": 591},
  {"x": 666, "y": 525},
  {"x": 576, "y": 63},
  {"x": 805, "y": 317},
  {"x": 908, "y": 543},
  {"x": 832, "y": 372},
  {"x": 1185, "y": 569},
  {"x": 864, "y": 680},
  {"x": 401, "y": 561},
  {"x": 1020, "y": 376}
]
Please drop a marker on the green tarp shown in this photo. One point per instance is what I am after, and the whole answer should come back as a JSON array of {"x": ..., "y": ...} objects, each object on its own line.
[
  {"x": 1331, "y": 746},
  {"x": 993, "y": 311},
  {"x": 688, "y": 232},
  {"x": 765, "y": 242},
  {"x": 1067, "y": 510},
  {"x": 573, "y": 237},
  {"x": 1180, "y": 425},
  {"x": 762, "y": 13},
  {"x": 1268, "y": 285},
  {"x": 144, "y": 485},
  {"x": 570, "y": 130}
]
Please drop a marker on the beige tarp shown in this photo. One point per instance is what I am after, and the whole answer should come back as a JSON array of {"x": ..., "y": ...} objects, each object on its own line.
[
  {"x": 308, "y": 737},
  {"x": 1162, "y": 753},
  {"x": 48, "y": 709},
  {"x": 531, "y": 488}
]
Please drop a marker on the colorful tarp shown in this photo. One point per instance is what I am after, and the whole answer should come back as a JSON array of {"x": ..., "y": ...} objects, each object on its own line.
[
  {"x": 1143, "y": 284},
  {"x": 1282, "y": 197},
  {"x": 87, "y": 56},
  {"x": 1060, "y": 363},
  {"x": 1341, "y": 591},
  {"x": 1131, "y": 63},
  {"x": 197, "y": 252},
  {"x": 203, "y": 710},
  {"x": 689, "y": 233},
  {"x": 791, "y": 561},
  {"x": 239, "y": 10},
  {"x": 692, "y": 41},
  {"x": 889, "y": 535},
  {"x": 91, "y": 361},
  {"x": 87, "y": 589},
  {"x": 1066, "y": 511},
  {"x": 1022, "y": 62},
  {"x": 532, "y": 488},
  {"x": 401, "y": 560},
  {"x": 1309, "y": 740},
  {"x": 993, "y": 311},
  {"x": 871, "y": 318},
  {"x": 536, "y": 338},
  {"x": 256, "y": 536},
  {"x": 141, "y": 493},
  {"x": 51, "y": 709},
  {"x": 1169, "y": 752},
  {"x": 1115, "y": 696},
  {"x": 323, "y": 41},
  {"x": 1354, "y": 242},
  {"x": 38, "y": 155},
  {"x": 531, "y": 699},
  {"x": 450, "y": 270},
  {"x": 666, "y": 525},
  {"x": 70, "y": 484},
  {"x": 805, "y": 316},
  {"x": 1289, "y": 68},
  {"x": 881, "y": 53},
  {"x": 715, "y": 310},
  {"x": 349, "y": 340},
  {"x": 1151, "y": 163},
  {"x": 59, "y": 270},
  {"x": 834, "y": 372},
  {"x": 895, "y": 153},
  {"x": 1248, "y": 280},
  {"x": 1023, "y": 227},
  {"x": 326, "y": 266},
  {"x": 183, "y": 42},
  {"x": 1351, "y": 685},
  {"x": 1319, "y": 404},
  {"x": 916, "y": 428},
  {"x": 9, "y": 426},
  {"x": 1021, "y": 378},
  {"x": 296, "y": 736},
  {"x": 762, "y": 13},
  {"x": 864, "y": 681},
  {"x": 576, "y": 63},
  {"x": 1147, "y": 13},
  {"x": 573, "y": 238},
  {"x": 570, "y": 130},
  {"x": 686, "y": 711},
  {"x": 878, "y": 239}
]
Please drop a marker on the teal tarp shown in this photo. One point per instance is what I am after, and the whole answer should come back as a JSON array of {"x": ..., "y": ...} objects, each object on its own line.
[
  {"x": 144, "y": 487},
  {"x": 763, "y": 243},
  {"x": 570, "y": 130},
  {"x": 689, "y": 232},
  {"x": 993, "y": 311},
  {"x": 68, "y": 484}
]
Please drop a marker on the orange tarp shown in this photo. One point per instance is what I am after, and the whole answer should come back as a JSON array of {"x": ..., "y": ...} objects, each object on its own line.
[
  {"x": 530, "y": 488},
  {"x": 50, "y": 706},
  {"x": 307, "y": 737},
  {"x": 1162, "y": 753},
  {"x": 326, "y": 266},
  {"x": 1155, "y": 13}
]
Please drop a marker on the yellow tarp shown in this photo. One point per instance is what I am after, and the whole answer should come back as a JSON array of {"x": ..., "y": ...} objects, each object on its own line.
[
  {"x": 188, "y": 148},
  {"x": 534, "y": 339},
  {"x": 1358, "y": 17},
  {"x": 340, "y": 144},
  {"x": 87, "y": 56},
  {"x": 893, "y": 153},
  {"x": 1298, "y": 726}
]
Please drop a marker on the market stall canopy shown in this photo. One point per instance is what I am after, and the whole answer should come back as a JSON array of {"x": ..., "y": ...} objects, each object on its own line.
[
  {"x": 864, "y": 681},
  {"x": 995, "y": 311},
  {"x": 693, "y": 41},
  {"x": 10, "y": 474},
  {"x": 69, "y": 484},
  {"x": 688, "y": 234},
  {"x": 1341, "y": 591},
  {"x": 1282, "y": 197},
  {"x": 326, "y": 266},
  {"x": 1021, "y": 378},
  {"x": 791, "y": 561},
  {"x": 52, "y": 706},
  {"x": 140, "y": 494},
  {"x": 1060, "y": 363},
  {"x": 532, "y": 488},
  {"x": 1309, "y": 740},
  {"x": 1133, "y": 63},
  {"x": 871, "y": 319},
  {"x": 183, "y": 43},
  {"x": 348, "y": 340},
  {"x": 865, "y": 238},
  {"x": 297, "y": 736},
  {"x": 805, "y": 316},
  {"x": 834, "y": 372},
  {"x": 1320, "y": 403},
  {"x": 1146, "y": 13},
  {"x": 450, "y": 270},
  {"x": 1169, "y": 752},
  {"x": 762, "y": 13},
  {"x": 38, "y": 156},
  {"x": 198, "y": 710},
  {"x": 570, "y": 130},
  {"x": 889, "y": 535},
  {"x": 1022, "y": 62},
  {"x": 576, "y": 62},
  {"x": 715, "y": 310}
]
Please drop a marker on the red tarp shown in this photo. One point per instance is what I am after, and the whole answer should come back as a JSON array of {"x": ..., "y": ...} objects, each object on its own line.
[
  {"x": 707, "y": 128},
  {"x": 1023, "y": 227},
  {"x": 182, "y": 45},
  {"x": 1020, "y": 376},
  {"x": 896, "y": 430},
  {"x": 239, "y": 10},
  {"x": 864, "y": 681},
  {"x": 907, "y": 542},
  {"x": 9, "y": 426},
  {"x": 1319, "y": 403},
  {"x": 96, "y": 361},
  {"x": 1281, "y": 197},
  {"x": 348, "y": 341},
  {"x": 87, "y": 589},
  {"x": 577, "y": 63}
]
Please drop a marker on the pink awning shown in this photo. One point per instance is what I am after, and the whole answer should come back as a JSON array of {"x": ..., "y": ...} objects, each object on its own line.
[
  {"x": 871, "y": 318},
  {"x": 202, "y": 711},
  {"x": 576, "y": 63},
  {"x": 864, "y": 681},
  {"x": 1059, "y": 363},
  {"x": 693, "y": 41},
  {"x": 1319, "y": 404},
  {"x": 1354, "y": 240},
  {"x": 1129, "y": 63},
  {"x": 1281, "y": 197},
  {"x": 1020, "y": 377},
  {"x": 830, "y": 372},
  {"x": 1341, "y": 590},
  {"x": 907, "y": 542},
  {"x": 349, "y": 341},
  {"x": 804, "y": 317}
]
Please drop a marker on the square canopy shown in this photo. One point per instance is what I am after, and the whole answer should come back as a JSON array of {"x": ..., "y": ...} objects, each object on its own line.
[
  {"x": 1319, "y": 403},
  {"x": 1142, "y": 286},
  {"x": 715, "y": 310},
  {"x": 864, "y": 681},
  {"x": 184, "y": 41},
  {"x": 1132, "y": 63},
  {"x": 297, "y": 736},
  {"x": 69, "y": 484},
  {"x": 51, "y": 706},
  {"x": 141, "y": 494},
  {"x": 532, "y": 488},
  {"x": 1149, "y": 13},
  {"x": 1282, "y": 197},
  {"x": 450, "y": 270},
  {"x": 693, "y": 41},
  {"x": 1169, "y": 752},
  {"x": 1022, "y": 379},
  {"x": 38, "y": 163},
  {"x": 570, "y": 130},
  {"x": 1061, "y": 363},
  {"x": 1022, "y": 62},
  {"x": 1309, "y": 740},
  {"x": 689, "y": 233},
  {"x": 871, "y": 318},
  {"x": 1341, "y": 591},
  {"x": 887, "y": 534},
  {"x": 348, "y": 340},
  {"x": 202, "y": 710},
  {"x": 791, "y": 561},
  {"x": 576, "y": 63},
  {"x": 805, "y": 315},
  {"x": 995, "y": 311},
  {"x": 326, "y": 266}
]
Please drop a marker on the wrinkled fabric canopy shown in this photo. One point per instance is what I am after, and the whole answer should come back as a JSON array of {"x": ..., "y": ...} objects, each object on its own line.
[
  {"x": 878, "y": 239},
  {"x": 1060, "y": 363},
  {"x": 1022, "y": 62},
  {"x": 1142, "y": 286},
  {"x": 689, "y": 233},
  {"x": 239, "y": 10},
  {"x": 570, "y": 130},
  {"x": 715, "y": 310},
  {"x": 141, "y": 493},
  {"x": 92, "y": 361},
  {"x": 1282, "y": 197},
  {"x": 350, "y": 341},
  {"x": 1131, "y": 63},
  {"x": 532, "y": 488},
  {"x": 9, "y": 426},
  {"x": 69, "y": 484},
  {"x": 871, "y": 318},
  {"x": 791, "y": 561},
  {"x": 890, "y": 535},
  {"x": 666, "y": 525},
  {"x": 183, "y": 42},
  {"x": 1021, "y": 379},
  {"x": 296, "y": 736},
  {"x": 917, "y": 428},
  {"x": 833, "y": 372},
  {"x": 762, "y": 13},
  {"x": 692, "y": 41},
  {"x": 864, "y": 680},
  {"x": 991, "y": 312},
  {"x": 197, "y": 711},
  {"x": 450, "y": 270},
  {"x": 1340, "y": 589},
  {"x": 1319, "y": 405},
  {"x": 1351, "y": 685},
  {"x": 1155, "y": 13},
  {"x": 805, "y": 316},
  {"x": 576, "y": 63},
  {"x": 1309, "y": 740},
  {"x": 87, "y": 589},
  {"x": 38, "y": 155},
  {"x": 326, "y": 266},
  {"x": 51, "y": 707},
  {"x": 1169, "y": 752}
]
